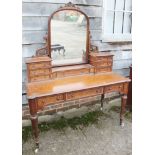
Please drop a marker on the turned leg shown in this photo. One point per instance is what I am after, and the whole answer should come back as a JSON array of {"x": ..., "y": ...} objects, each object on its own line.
[
  {"x": 102, "y": 100},
  {"x": 34, "y": 121},
  {"x": 123, "y": 105}
]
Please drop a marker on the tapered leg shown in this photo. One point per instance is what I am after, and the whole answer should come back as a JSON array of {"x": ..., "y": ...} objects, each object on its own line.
[
  {"x": 34, "y": 121},
  {"x": 102, "y": 100},
  {"x": 123, "y": 105}
]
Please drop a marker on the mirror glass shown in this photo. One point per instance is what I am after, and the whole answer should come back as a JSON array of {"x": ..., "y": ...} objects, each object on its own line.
[{"x": 68, "y": 38}]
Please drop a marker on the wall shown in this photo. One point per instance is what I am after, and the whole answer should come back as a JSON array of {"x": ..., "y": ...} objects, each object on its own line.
[{"x": 34, "y": 23}]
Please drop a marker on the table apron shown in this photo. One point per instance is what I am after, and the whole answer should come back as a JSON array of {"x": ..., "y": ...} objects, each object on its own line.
[{"x": 74, "y": 95}]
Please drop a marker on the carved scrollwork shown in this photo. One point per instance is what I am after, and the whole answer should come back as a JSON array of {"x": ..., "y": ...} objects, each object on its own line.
[
  {"x": 43, "y": 51},
  {"x": 69, "y": 5},
  {"x": 94, "y": 48}
]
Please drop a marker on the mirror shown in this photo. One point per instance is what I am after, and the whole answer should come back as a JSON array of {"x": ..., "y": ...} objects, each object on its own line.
[{"x": 68, "y": 38}]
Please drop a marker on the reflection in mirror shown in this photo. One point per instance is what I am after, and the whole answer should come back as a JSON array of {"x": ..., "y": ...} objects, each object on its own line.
[{"x": 68, "y": 38}]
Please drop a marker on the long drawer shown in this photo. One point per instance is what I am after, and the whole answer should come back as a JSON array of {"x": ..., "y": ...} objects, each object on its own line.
[
  {"x": 60, "y": 74},
  {"x": 76, "y": 72}
]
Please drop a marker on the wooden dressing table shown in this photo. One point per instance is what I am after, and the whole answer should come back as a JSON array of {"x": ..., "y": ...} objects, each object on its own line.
[{"x": 48, "y": 84}]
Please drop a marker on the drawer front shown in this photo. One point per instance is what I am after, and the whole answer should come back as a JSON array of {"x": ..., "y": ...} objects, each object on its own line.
[
  {"x": 39, "y": 71},
  {"x": 92, "y": 69},
  {"x": 43, "y": 101},
  {"x": 54, "y": 75},
  {"x": 84, "y": 93},
  {"x": 39, "y": 78},
  {"x": 59, "y": 74},
  {"x": 101, "y": 63},
  {"x": 103, "y": 69},
  {"x": 103, "y": 58},
  {"x": 76, "y": 72},
  {"x": 39, "y": 65},
  {"x": 113, "y": 88}
]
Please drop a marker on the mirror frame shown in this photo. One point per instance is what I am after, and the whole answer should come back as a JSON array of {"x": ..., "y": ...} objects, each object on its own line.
[{"x": 69, "y": 6}]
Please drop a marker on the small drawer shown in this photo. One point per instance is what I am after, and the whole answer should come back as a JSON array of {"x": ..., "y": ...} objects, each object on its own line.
[
  {"x": 103, "y": 58},
  {"x": 101, "y": 63},
  {"x": 39, "y": 71},
  {"x": 39, "y": 78},
  {"x": 113, "y": 88},
  {"x": 43, "y": 101},
  {"x": 39, "y": 65},
  {"x": 84, "y": 93}
]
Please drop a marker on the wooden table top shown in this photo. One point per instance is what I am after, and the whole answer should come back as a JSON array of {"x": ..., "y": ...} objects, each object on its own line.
[{"x": 74, "y": 83}]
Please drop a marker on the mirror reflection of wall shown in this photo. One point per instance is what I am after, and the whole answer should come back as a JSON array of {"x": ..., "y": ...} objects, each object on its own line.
[{"x": 68, "y": 38}]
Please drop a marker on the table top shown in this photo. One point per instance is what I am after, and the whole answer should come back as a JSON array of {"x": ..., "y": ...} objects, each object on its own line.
[{"x": 72, "y": 83}]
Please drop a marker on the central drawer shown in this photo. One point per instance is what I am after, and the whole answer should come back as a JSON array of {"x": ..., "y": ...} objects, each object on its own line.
[
  {"x": 76, "y": 72},
  {"x": 103, "y": 69},
  {"x": 84, "y": 93}
]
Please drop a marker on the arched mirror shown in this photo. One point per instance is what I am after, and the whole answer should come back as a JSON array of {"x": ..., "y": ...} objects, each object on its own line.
[{"x": 68, "y": 36}]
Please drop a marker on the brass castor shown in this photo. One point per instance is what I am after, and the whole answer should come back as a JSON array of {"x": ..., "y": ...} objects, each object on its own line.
[
  {"x": 121, "y": 123},
  {"x": 37, "y": 148}
]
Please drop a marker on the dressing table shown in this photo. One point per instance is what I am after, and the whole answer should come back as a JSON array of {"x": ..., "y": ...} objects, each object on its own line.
[{"x": 82, "y": 72}]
